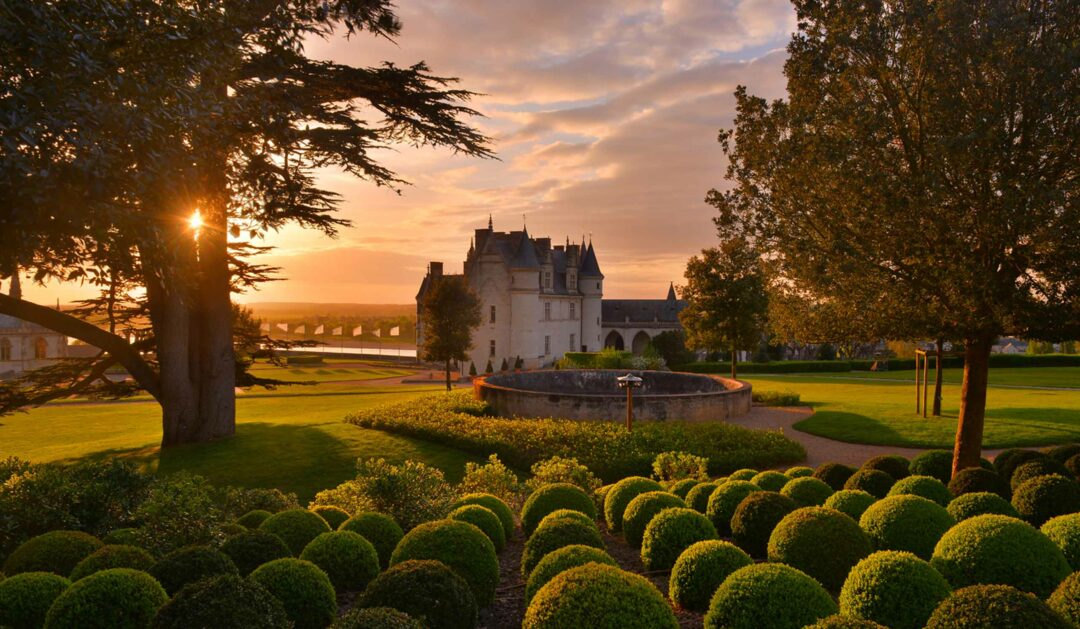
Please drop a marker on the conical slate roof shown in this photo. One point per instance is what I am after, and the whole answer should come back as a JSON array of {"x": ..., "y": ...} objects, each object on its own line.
[
  {"x": 671, "y": 292},
  {"x": 525, "y": 258},
  {"x": 589, "y": 266}
]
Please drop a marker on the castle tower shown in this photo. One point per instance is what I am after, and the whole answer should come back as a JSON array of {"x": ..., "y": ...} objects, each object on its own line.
[
  {"x": 524, "y": 292},
  {"x": 591, "y": 284}
]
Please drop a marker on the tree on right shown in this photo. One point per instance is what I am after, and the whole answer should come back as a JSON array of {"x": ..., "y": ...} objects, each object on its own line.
[{"x": 925, "y": 160}]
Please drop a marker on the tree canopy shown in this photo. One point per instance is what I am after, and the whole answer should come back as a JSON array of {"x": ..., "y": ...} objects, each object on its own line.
[{"x": 451, "y": 310}]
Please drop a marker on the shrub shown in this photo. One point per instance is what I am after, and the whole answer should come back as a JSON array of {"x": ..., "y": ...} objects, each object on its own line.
[
  {"x": 994, "y": 606},
  {"x": 303, "y": 589},
  {"x": 296, "y": 527},
  {"x": 743, "y": 474},
  {"x": 424, "y": 589},
  {"x": 346, "y": 557},
  {"x": 1000, "y": 549},
  {"x": 768, "y": 596},
  {"x": 379, "y": 617},
  {"x": 852, "y": 502},
  {"x": 682, "y": 487},
  {"x": 492, "y": 478},
  {"x": 254, "y": 548},
  {"x": 223, "y": 601},
  {"x": 334, "y": 516},
  {"x": 820, "y": 541},
  {"x": 559, "y": 469},
  {"x": 775, "y": 398},
  {"x": 553, "y": 535},
  {"x": 113, "y": 556},
  {"x": 892, "y": 464},
  {"x": 807, "y": 491},
  {"x": 839, "y": 621},
  {"x": 560, "y": 560},
  {"x": 125, "y": 536},
  {"x": 1064, "y": 530},
  {"x": 835, "y": 475},
  {"x": 642, "y": 510},
  {"x": 26, "y": 597},
  {"x": 119, "y": 597},
  {"x": 724, "y": 501},
  {"x": 551, "y": 498},
  {"x": 933, "y": 463},
  {"x": 598, "y": 595},
  {"x": 1007, "y": 462},
  {"x": 189, "y": 565},
  {"x": 181, "y": 510},
  {"x": 462, "y": 547},
  {"x": 896, "y": 589},
  {"x": 1063, "y": 453},
  {"x": 253, "y": 519},
  {"x": 756, "y": 517},
  {"x": 483, "y": 519},
  {"x": 669, "y": 533},
  {"x": 232, "y": 528},
  {"x": 1045, "y": 497},
  {"x": 799, "y": 471},
  {"x": 569, "y": 514},
  {"x": 1073, "y": 465},
  {"x": 488, "y": 501},
  {"x": 619, "y": 496},
  {"x": 56, "y": 551},
  {"x": 925, "y": 486},
  {"x": 700, "y": 569},
  {"x": 977, "y": 479},
  {"x": 1036, "y": 468},
  {"x": 770, "y": 480},
  {"x": 873, "y": 482},
  {"x": 411, "y": 493},
  {"x": 241, "y": 500},
  {"x": 979, "y": 503},
  {"x": 1066, "y": 598},
  {"x": 698, "y": 496},
  {"x": 670, "y": 466},
  {"x": 910, "y": 523}
]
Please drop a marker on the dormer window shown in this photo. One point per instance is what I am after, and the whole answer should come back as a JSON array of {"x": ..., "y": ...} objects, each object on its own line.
[
  {"x": 571, "y": 280},
  {"x": 547, "y": 279}
]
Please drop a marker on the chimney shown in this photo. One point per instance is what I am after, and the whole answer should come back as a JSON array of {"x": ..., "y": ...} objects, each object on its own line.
[
  {"x": 435, "y": 269},
  {"x": 16, "y": 289}
]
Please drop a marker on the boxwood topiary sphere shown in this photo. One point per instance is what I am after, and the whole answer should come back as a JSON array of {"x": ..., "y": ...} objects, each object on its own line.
[
  {"x": 671, "y": 532},
  {"x": 768, "y": 596},
  {"x": 925, "y": 486},
  {"x": 26, "y": 597},
  {"x": 253, "y": 519},
  {"x": 820, "y": 541},
  {"x": 698, "y": 497},
  {"x": 376, "y": 618},
  {"x": 835, "y": 475},
  {"x": 303, "y": 589},
  {"x": 191, "y": 564},
  {"x": 563, "y": 559},
  {"x": 232, "y": 528},
  {"x": 1073, "y": 465},
  {"x": 1064, "y": 530},
  {"x": 892, "y": 464},
  {"x": 1003, "y": 457},
  {"x": 851, "y": 502},
  {"x": 569, "y": 514},
  {"x": 1045, "y": 497},
  {"x": 1064, "y": 452},
  {"x": 483, "y": 519},
  {"x": 980, "y": 503},
  {"x": 807, "y": 491},
  {"x": 682, "y": 487},
  {"x": 756, "y": 517},
  {"x": 642, "y": 510},
  {"x": 296, "y": 527},
  {"x": 933, "y": 463},
  {"x": 118, "y": 598},
  {"x": 56, "y": 551},
  {"x": 551, "y": 498},
  {"x": 1036, "y": 468},
  {"x": 839, "y": 621},
  {"x": 382, "y": 531},
  {"x": 459, "y": 545},
  {"x": 743, "y": 474},
  {"x": 223, "y": 601},
  {"x": 770, "y": 480},
  {"x": 910, "y": 523},
  {"x": 424, "y": 589},
  {"x": 497, "y": 506},
  {"x": 700, "y": 569},
  {"x": 600, "y": 596},
  {"x": 724, "y": 501},
  {"x": 113, "y": 556},
  {"x": 1006, "y": 464},
  {"x": 874, "y": 482},
  {"x": 128, "y": 536},
  {"x": 1066, "y": 598},
  {"x": 254, "y": 548},
  {"x": 999, "y": 549},
  {"x": 553, "y": 535},
  {"x": 334, "y": 516},
  {"x": 895, "y": 589},
  {"x": 994, "y": 607},
  {"x": 977, "y": 479},
  {"x": 346, "y": 557},
  {"x": 799, "y": 471},
  {"x": 620, "y": 495}
]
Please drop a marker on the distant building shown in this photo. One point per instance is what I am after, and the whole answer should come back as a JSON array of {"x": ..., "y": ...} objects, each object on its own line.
[{"x": 25, "y": 346}]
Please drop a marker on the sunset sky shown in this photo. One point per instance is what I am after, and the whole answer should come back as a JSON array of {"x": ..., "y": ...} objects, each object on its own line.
[{"x": 603, "y": 114}]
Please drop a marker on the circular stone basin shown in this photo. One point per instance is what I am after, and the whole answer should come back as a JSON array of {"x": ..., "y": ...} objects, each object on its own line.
[{"x": 595, "y": 394}]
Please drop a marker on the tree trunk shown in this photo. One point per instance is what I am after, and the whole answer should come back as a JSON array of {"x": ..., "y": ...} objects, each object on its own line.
[
  {"x": 938, "y": 368},
  {"x": 969, "y": 428},
  {"x": 171, "y": 321},
  {"x": 448, "y": 387},
  {"x": 734, "y": 362}
]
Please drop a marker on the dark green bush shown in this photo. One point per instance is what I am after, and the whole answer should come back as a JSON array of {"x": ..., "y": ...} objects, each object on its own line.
[
  {"x": 1045, "y": 497},
  {"x": 724, "y": 501},
  {"x": 296, "y": 527},
  {"x": 820, "y": 541},
  {"x": 839, "y": 621},
  {"x": 807, "y": 491},
  {"x": 799, "y": 471},
  {"x": 253, "y": 519},
  {"x": 346, "y": 557},
  {"x": 892, "y": 464},
  {"x": 641, "y": 511},
  {"x": 598, "y": 595},
  {"x": 223, "y": 601},
  {"x": 835, "y": 475},
  {"x": 126, "y": 536},
  {"x": 383, "y": 532},
  {"x": 254, "y": 548},
  {"x": 895, "y": 589},
  {"x": 553, "y": 535},
  {"x": 303, "y": 589},
  {"x": 1066, "y": 598},
  {"x": 459, "y": 545},
  {"x": 563, "y": 559},
  {"x": 483, "y": 519},
  {"x": 994, "y": 607},
  {"x": 334, "y": 516},
  {"x": 569, "y": 514},
  {"x": 743, "y": 474},
  {"x": 119, "y": 598},
  {"x": 181, "y": 510},
  {"x": 909, "y": 523},
  {"x": 852, "y": 502},
  {"x": 756, "y": 517},
  {"x": 377, "y": 617},
  {"x": 768, "y": 596},
  {"x": 934, "y": 463},
  {"x": 999, "y": 549},
  {"x": 189, "y": 565},
  {"x": 977, "y": 479},
  {"x": 671, "y": 532},
  {"x": 56, "y": 551},
  {"x": 424, "y": 589},
  {"x": 1039, "y": 467},
  {"x": 682, "y": 487},
  {"x": 980, "y": 503},
  {"x": 873, "y": 482},
  {"x": 495, "y": 504},
  {"x": 553, "y": 497},
  {"x": 700, "y": 569},
  {"x": 619, "y": 496},
  {"x": 698, "y": 497},
  {"x": 1073, "y": 465},
  {"x": 242, "y": 500},
  {"x": 1064, "y": 452},
  {"x": 925, "y": 486},
  {"x": 113, "y": 556},
  {"x": 770, "y": 480},
  {"x": 1007, "y": 462},
  {"x": 412, "y": 493},
  {"x": 26, "y": 597},
  {"x": 232, "y": 528},
  {"x": 1064, "y": 530}
]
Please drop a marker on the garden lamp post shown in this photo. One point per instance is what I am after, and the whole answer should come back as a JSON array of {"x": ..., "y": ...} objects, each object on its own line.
[{"x": 629, "y": 382}]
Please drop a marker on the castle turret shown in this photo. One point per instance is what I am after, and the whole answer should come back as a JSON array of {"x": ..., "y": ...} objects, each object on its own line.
[
  {"x": 524, "y": 289},
  {"x": 591, "y": 284}
]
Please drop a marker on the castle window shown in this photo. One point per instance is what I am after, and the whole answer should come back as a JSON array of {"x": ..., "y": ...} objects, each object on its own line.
[
  {"x": 5, "y": 349},
  {"x": 547, "y": 311},
  {"x": 491, "y": 348},
  {"x": 547, "y": 279},
  {"x": 547, "y": 345},
  {"x": 573, "y": 313},
  {"x": 41, "y": 348},
  {"x": 572, "y": 339},
  {"x": 571, "y": 280},
  {"x": 493, "y": 314},
  {"x": 598, "y": 286}
]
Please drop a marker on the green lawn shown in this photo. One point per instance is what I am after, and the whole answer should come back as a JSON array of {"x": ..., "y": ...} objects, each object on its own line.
[
  {"x": 329, "y": 373},
  {"x": 1006, "y": 376},
  {"x": 876, "y": 410}
]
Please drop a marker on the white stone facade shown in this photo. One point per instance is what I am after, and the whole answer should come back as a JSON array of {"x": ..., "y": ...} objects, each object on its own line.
[{"x": 25, "y": 346}]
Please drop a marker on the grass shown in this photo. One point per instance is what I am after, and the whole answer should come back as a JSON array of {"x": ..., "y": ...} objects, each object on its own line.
[
  {"x": 329, "y": 373},
  {"x": 1005, "y": 376}
]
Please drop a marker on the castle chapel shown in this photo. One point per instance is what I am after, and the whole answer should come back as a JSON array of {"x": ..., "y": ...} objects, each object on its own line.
[{"x": 540, "y": 300}]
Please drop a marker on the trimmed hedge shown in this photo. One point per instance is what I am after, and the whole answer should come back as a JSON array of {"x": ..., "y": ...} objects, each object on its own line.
[
  {"x": 1063, "y": 453},
  {"x": 26, "y": 597},
  {"x": 807, "y": 491},
  {"x": 119, "y": 598},
  {"x": 895, "y": 589},
  {"x": 768, "y": 596},
  {"x": 382, "y": 531},
  {"x": 570, "y": 514},
  {"x": 620, "y": 495},
  {"x": 756, "y": 517},
  {"x": 724, "y": 501},
  {"x": 598, "y": 595},
  {"x": 223, "y": 601},
  {"x": 909, "y": 523},
  {"x": 562, "y": 559},
  {"x": 553, "y": 497},
  {"x": 977, "y": 479},
  {"x": 1007, "y": 462},
  {"x": 698, "y": 497},
  {"x": 459, "y": 545},
  {"x": 980, "y": 503},
  {"x": 925, "y": 486},
  {"x": 770, "y": 480},
  {"x": 424, "y": 589},
  {"x": 642, "y": 510},
  {"x": 191, "y": 564},
  {"x": 347, "y": 558},
  {"x": 820, "y": 541},
  {"x": 376, "y": 618},
  {"x": 799, "y": 471},
  {"x": 892, "y": 464},
  {"x": 1066, "y": 598},
  {"x": 253, "y": 519},
  {"x": 1036, "y": 468},
  {"x": 994, "y": 607},
  {"x": 700, "y": 569},
  {"x": 934, "y": 463},
  {"x": 851, "y": 502},
  {"x": 1045, "y": 497},
  {"x": 483, "y": 519},
  {"x": 1073, "y": 465},
  {"x": 835, "y": 475},
  {"x": 489, "y": 501},
  {"x": 127, "y": 536},
  {"x": 56, "y": 551},
  {"x": 873, "y": 482},
  {"x": 745, "y": 473},
  {"x": 113, "y": 556},
  {"x": 296, "y": 527},
  {"x": 254, "y": 548},
  {"x": 839, "y": 621},
  {"x": 555, "y": 534},
  {"x": 682, "y": 487},
  {"x": 780, "y": 366},
  {"x": 1064, "y": 530},
  {"x": 334, "y": 516},
  {"x": 303, "y": 589},
  {"x": 671, "y": 532}
]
